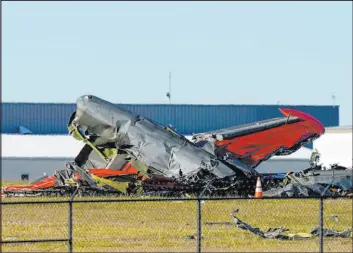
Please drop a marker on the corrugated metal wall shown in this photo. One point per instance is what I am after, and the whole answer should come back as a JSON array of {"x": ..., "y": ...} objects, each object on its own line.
[
  {"x": 187, "y": 119},
  {"x": 39, "y": 118}
]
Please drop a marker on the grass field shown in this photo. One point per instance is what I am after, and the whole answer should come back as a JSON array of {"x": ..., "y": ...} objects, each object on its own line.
[{"x": 165, "y": 226}]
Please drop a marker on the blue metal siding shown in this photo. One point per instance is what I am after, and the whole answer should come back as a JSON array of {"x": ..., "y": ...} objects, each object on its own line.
[
  {"x": 187, "y": 119},
  {"x": 39, "y": 118}
]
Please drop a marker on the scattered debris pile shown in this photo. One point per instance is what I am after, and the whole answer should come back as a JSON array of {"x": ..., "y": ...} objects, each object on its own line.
[
  {"x": 278, "y": 233},
  {"x": 127, "y": 154},
  {"x": 316, "y": 183},
  {"x": 127, "y": 181}
]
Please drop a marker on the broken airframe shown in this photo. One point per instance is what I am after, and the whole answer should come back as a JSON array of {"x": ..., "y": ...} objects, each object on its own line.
[{"x": 125, "y": 153}]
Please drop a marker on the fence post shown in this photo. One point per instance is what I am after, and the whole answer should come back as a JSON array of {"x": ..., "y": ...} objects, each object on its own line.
[
  {"x": 199, "y": 233},
  {"x": 321, "y": 211},
  {"x": 70, "y": 218},
  {"x": 70, "y": 226}
]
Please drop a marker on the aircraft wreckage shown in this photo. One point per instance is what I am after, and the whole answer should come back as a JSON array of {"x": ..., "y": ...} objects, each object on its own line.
[{"x": 125, "y": 153}]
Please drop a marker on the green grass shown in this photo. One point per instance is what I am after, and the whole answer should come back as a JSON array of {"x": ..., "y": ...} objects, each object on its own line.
[
  {"x": 7, "y": 183},
  {"x": 163, "y": 226}
]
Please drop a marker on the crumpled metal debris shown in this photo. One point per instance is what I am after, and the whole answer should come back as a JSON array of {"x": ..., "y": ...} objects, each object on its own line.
[
  {"x": 332, "y": 233},
  {"x": 220, "y": 162},
  {"x": 190, "y": 237},
  {"x": 316, "y": 183},
  {"x": 315, "y": 158},
  {"x": 290, "y": 190},
  {"x": 277, "y": 233},
  {"x": 333, "y": 218},
  {"x": 272, "y": 233},
  {"x": 208, "y": 162}
]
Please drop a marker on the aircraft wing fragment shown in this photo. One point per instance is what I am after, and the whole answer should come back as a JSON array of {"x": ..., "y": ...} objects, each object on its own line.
[{"x": 257, "y": 142}]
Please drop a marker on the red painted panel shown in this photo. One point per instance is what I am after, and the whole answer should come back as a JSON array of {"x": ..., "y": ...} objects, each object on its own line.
[{"x": 259, "y": 145}]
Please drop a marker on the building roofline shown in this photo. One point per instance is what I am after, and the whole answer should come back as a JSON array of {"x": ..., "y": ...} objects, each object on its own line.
[{"x": 164, "y": 104}]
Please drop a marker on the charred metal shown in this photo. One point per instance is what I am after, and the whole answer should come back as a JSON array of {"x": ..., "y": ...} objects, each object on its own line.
[{"x": 126, "y": 154}]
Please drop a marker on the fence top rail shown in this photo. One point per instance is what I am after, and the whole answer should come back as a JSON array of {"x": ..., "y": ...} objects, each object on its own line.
[
  {"x": 164, "y": 200},
  {"x": 34, "y": 241}
]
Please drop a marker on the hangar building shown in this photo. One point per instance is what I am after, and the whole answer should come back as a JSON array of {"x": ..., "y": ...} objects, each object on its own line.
[{"x": 49, "y": 146}]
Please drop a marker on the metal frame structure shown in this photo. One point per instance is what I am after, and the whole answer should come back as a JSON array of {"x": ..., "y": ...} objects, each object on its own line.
[{"x": 71, "y": 201}]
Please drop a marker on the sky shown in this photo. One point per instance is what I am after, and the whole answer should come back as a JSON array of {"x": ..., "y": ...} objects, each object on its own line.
[{"x": 218, "y": 52}]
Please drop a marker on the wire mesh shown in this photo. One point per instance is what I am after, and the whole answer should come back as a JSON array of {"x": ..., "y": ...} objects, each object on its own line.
[
  {"x": 338, "y": 218},
  {"x": 171, "y": 225},
  {"x": 297, "y": 215},
  {"x": 34, "y": 222},
  {"x": 135, "y": 226},
  {"x": 35, "y": 247}
]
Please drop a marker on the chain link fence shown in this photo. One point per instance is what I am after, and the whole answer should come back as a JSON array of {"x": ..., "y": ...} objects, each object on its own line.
[
  {"x": 337, "y": 217},
  {"x": 173, "y": 225},
  {"x": 34, "y": 226}
]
